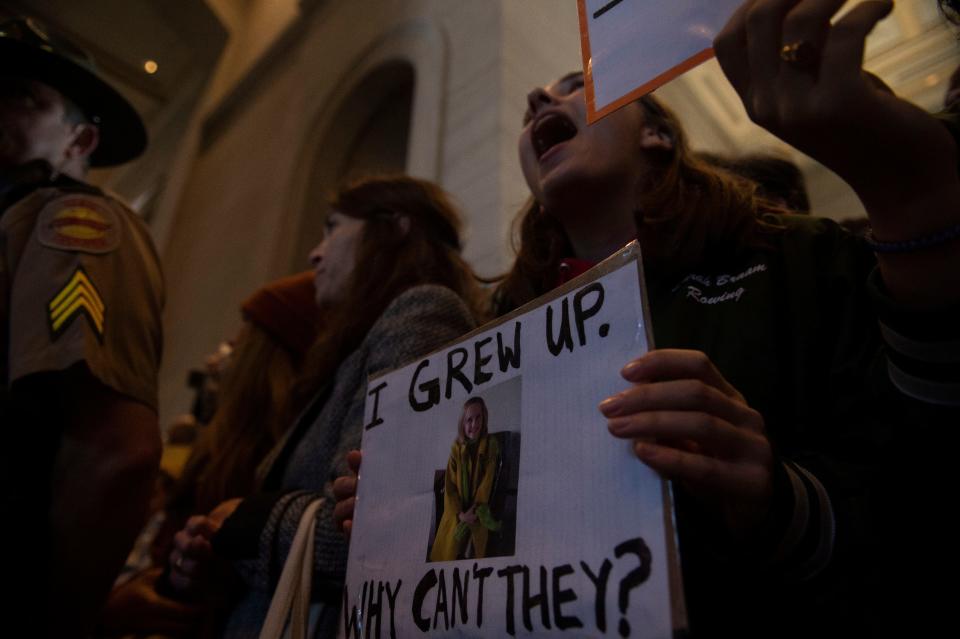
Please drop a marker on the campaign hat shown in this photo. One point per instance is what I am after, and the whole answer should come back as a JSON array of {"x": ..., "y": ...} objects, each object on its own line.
[{"x": 28, "y": 50}]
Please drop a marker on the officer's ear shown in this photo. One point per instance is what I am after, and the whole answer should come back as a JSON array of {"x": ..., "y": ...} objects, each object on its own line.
[{"x": 86, "y": 137}]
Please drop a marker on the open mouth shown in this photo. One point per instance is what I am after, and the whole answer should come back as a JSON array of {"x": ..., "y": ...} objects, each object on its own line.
[{"x": 551, "y": 130}]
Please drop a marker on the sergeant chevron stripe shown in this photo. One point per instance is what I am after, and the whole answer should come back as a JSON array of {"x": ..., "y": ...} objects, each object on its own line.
[{"x": 78, "y": 297}]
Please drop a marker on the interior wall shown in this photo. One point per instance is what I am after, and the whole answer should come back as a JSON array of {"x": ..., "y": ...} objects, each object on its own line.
[
  {"x": 368, "y": 134},
  {"x": 238, "y": 211},
  {"x": 254, "y": 26}
]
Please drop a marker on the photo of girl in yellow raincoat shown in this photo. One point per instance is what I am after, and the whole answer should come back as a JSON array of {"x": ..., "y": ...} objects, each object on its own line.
[{"x": 467, "y": 521}]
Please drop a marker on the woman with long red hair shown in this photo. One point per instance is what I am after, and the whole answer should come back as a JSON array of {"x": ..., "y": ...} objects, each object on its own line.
[{"x": 392, "y": 286}]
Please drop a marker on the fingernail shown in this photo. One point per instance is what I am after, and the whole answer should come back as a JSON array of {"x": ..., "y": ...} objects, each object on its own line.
[
  {"x": 611, "y": 406},
  {"x": 630, "y": 369},
  {"x": 644, "y": 450},
  {"x": 615, "y": 425}
]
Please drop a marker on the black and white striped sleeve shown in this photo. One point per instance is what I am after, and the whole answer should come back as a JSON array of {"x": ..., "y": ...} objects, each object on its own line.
[
  {"x": 806, "y": 547},
  {"x": 922, "y": 348}
]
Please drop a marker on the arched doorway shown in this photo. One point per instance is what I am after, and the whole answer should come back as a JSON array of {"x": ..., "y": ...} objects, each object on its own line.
[{"x": 369, "y": 133}]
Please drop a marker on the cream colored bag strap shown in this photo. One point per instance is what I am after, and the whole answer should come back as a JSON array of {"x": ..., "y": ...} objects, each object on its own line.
[
  {"x": 291, "y": 599},
  {"x": 301, "y": 603}
]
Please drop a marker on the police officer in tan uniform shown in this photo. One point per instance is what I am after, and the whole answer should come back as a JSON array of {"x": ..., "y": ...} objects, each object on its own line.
[{"x": 80, "y": 299}]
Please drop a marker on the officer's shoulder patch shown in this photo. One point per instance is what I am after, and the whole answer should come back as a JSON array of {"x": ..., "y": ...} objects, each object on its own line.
[
  {"x": 77, "y": 297},
  {"x": 79, "y": 222}
]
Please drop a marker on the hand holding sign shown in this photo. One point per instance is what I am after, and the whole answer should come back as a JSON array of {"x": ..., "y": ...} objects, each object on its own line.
[
  {"x": 689, "y": 424},
  {"x": 345, "y": 492}
]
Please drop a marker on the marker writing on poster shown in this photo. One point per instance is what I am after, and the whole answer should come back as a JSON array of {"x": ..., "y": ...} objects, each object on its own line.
[
  {"x": 602, "y": 10},
  {"x": 424, "y": 394},
  {"x": 375, "y": 419},
  {"x": 562, "y": 338},
  {"x": 636, "y": 577},
  {"x": 446, "y": 598},
  {"x": 370, "y": 614},
  {"x": 472, "y": 365}
]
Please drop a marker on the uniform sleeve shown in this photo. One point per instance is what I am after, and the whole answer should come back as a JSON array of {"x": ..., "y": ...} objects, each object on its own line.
[
  {"x": 419, "y": 321},
  {"x": 88, "y": 288}
]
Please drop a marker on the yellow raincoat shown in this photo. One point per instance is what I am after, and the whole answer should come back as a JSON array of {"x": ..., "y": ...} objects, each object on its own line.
[{"x": 469, "y": 481}]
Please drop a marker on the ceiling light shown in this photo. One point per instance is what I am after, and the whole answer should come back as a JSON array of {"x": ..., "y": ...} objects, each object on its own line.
[{"x": 151, "y": 66}]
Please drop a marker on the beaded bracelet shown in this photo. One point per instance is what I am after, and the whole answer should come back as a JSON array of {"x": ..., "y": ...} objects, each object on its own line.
[{"x": 918, "y": 244}]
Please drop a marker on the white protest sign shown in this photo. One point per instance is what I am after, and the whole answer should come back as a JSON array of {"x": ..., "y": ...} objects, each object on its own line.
[
  {"x": 631, "y": 47},
  {"x": 493, "y": 501}
]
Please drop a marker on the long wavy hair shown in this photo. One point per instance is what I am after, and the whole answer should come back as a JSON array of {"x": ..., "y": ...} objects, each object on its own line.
[
  {"x": 254, "y": 409},
  {"x": 461, "y": 436},
  {"x": 390, "y": 260},
  {"x": 699, "y": 211}
]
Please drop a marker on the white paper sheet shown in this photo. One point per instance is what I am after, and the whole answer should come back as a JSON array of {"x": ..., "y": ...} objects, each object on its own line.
[
  {"x": 583, "y": 503},
  {"x": 631, "y": 47}
]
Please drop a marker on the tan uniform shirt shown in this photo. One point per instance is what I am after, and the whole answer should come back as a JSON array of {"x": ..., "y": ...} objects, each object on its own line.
[{"x": 80, "y": 281}]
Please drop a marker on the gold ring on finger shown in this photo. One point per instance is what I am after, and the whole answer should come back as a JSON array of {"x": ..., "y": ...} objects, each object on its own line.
[{"x": 801, "y": 55}]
